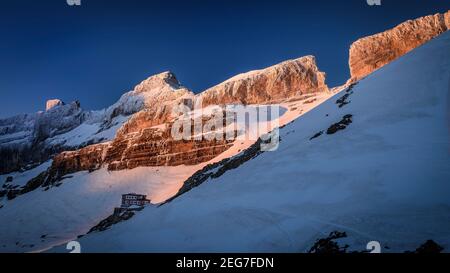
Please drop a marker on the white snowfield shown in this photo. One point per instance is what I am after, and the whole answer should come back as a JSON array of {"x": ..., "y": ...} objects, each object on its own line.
[{"x": 386, "y": 177}]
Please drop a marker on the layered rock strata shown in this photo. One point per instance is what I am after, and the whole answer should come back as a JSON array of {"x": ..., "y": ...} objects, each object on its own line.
[{"x": 373, "y": 52}]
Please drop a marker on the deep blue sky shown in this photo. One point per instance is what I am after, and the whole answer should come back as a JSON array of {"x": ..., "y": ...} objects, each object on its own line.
[{"x": 96, "y": 52}]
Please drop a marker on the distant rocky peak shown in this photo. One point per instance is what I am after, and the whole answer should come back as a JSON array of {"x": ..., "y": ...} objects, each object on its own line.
[
  {"x": 279, "y": 82},
  {"x": 53, "y": 103},
  {"x": 160, "y": 82},
  {"x": 155, "y": 95}
]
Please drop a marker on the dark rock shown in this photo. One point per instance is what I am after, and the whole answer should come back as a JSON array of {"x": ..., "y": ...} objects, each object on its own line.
[
  {"x": 342, "y": 101},
  {"x": 30, "y": 186},
  {"x": 12, "y": 194},
  {"x": 341, "y": 125},
  {"x": 429, "y": 247},
  {"x": 328, "y": 245},
  {"x": 9, "y": 179},
  {"x": 3, "y": 193},
  {"x": 117, "y": 217},
  {"x": 35, "y": 183},
  {"x": 21, "y": 159},
  {"x": 316, "y": 135}
]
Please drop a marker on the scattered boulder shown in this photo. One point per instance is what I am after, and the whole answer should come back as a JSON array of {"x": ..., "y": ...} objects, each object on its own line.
[
  {"x": 9, "y": 179},
  {"x": 341, "y": 125},
  {"x": 342, "y": 101}
]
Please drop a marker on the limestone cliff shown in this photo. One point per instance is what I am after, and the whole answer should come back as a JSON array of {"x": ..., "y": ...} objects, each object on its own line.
[
  {"x": 276, "y": 83},
  {"x": 373, "y": 52}
]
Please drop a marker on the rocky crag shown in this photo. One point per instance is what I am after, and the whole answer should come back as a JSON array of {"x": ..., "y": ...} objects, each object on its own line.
[{"x": 373, "y": 52}]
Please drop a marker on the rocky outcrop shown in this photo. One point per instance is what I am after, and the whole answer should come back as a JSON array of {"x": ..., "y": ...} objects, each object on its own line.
[
  {"x": 53, "y": 103},
  {"x": 150, "y": 147},
  {"x": 341, "y": 125},
  {"x": 330, "y": 244},
  {"x": 429, "y": 247},
  {"x": 276, "y": 83},
  {"x": 22, "y": 138},
  {"x": 152, "y": 102},
  {"x": 116, "y": 217},
  {"x": 58, "y": 120},
  {"x": 371, "y": 53}
]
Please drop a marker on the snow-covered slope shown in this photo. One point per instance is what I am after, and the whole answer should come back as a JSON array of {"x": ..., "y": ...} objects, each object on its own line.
[{"x": 385, "y": 177}]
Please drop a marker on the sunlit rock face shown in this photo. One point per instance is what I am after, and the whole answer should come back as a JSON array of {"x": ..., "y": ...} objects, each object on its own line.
[
  {"x": 153, "y": 101},
  {"x": 373, "y": 52},
  {"x": 149, "y": 147},
  {"x": 279, "y": 82},
  {"x": 53, "y": 103}
]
